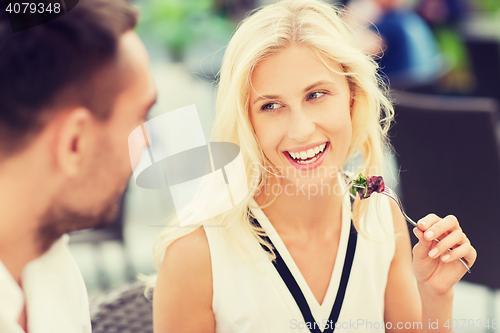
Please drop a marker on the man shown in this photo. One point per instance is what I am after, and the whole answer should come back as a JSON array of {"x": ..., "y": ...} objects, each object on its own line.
[{"x": 71, "y": 92}]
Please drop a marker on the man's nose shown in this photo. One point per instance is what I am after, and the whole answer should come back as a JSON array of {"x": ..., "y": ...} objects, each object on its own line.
[{"x": 301, "y": 125}]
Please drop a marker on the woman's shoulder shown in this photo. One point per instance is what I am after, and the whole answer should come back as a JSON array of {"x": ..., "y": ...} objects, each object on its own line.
[
  {"x": 378, "y": 221},
  {"x": 186, "y": 264},
  {"x": 183, "y": 288},
  {"x": 189, "y": 252},
  {"x": 399, "y": 222}
]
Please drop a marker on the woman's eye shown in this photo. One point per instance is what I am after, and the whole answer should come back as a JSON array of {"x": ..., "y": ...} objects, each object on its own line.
[
  {"x": 315, "y": 95},
  {"x": 270, "y": 106}
]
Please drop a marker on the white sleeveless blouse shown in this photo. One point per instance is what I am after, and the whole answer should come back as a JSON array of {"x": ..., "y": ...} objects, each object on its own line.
[{"x": 253, "y": 298}]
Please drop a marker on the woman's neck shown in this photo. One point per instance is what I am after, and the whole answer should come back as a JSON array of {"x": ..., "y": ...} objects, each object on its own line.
[{"x": 299, "y": 212}]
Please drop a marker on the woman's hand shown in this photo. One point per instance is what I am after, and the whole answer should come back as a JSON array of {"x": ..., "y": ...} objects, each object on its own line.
[{"x": 436, "y": 267}]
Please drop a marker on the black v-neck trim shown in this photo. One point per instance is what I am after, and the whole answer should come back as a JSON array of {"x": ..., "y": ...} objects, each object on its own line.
[{"x": 295, "y": 290}]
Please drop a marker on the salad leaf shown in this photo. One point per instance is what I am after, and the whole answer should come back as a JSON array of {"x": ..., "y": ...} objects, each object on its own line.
[{"x": 365, "y": 186}]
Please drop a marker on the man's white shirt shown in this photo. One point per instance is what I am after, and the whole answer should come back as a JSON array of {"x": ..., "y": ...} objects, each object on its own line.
[{"x": 55, "y": 294}]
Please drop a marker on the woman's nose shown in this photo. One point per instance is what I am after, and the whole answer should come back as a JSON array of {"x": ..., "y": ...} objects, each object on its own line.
[{"x": 301, "y": 125}]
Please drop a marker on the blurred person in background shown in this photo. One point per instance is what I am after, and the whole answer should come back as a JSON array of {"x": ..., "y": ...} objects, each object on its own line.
[
  {"x": 71, "y": 92},
  {"x": 237, "y": 9},
  {"x": 446, "y": 18},
  {"x": 407, "y": 50},
  {"x": 443, "y": 12}
]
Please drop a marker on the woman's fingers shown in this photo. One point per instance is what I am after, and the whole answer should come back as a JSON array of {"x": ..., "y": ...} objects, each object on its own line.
[
  {"x": 435, "y": 227},
  {"x": 422, "y": 248},
  {"x": 451, "y": 236},
  {"x": 452, "y": 240},
  {"x": 465, "y": 251}
]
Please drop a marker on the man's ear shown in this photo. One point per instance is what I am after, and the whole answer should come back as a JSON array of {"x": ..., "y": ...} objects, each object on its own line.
[{"x": 74, "y": 140}]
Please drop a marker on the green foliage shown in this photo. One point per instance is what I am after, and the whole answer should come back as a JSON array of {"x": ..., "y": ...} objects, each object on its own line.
[
  {"x": 492, "y": 6},
  {"x": 452, "y": 47},
  {"x": 176, "y": 24}
]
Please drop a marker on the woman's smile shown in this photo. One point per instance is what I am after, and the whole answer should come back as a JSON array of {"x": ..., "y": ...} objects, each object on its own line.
[{"x": 307, "y": 158}]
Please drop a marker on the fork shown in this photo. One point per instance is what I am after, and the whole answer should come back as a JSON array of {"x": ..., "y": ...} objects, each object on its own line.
[{"x": 391, "y": 194}]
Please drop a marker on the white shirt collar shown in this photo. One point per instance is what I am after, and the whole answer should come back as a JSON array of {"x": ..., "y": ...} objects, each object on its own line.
[
  {"x": 11, "y": 300},
  {"x": 55, "y": 294}
]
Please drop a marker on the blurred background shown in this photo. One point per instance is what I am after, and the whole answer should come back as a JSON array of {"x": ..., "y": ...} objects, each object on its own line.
[{"x": 441, "y": 59}]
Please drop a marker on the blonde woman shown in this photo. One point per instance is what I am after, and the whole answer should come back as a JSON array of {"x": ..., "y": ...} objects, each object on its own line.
[{"x": 300, "y": 99}]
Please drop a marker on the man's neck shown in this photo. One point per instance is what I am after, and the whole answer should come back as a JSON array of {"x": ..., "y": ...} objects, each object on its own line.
[
  {"x": 22, "y": 202},
  {"x": 16, "y": 253}
]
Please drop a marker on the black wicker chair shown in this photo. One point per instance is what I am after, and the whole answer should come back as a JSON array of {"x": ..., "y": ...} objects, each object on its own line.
[{"x": 122, "y": 310}]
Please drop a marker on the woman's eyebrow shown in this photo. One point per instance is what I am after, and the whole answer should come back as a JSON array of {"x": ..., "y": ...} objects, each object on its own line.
[
  {"x": 312, "y": 86},
  {"x": 319, "y": 83},
  {"x": 266, "y": 97}
]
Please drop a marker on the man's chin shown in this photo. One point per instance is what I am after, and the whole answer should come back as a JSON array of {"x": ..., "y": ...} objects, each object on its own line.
[
  {"x": 104, "y": 220},
  {"x": 58, "y": 221}
]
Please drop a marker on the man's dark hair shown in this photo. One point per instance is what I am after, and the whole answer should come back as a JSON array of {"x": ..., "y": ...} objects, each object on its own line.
[{"x": 69, "y": 61}]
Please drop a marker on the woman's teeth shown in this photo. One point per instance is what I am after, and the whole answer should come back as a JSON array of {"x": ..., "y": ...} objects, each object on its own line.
[{"x": 309, "y": 156}]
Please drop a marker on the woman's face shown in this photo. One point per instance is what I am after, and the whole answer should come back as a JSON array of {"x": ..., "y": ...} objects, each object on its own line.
[{"x": 300, "y": 111}]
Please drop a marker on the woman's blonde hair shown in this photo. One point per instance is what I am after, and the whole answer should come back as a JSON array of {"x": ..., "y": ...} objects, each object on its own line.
[{"x": 319, "y": 27}]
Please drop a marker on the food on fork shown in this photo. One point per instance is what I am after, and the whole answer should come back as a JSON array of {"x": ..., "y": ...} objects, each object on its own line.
[{"x": 365, "y": 186}]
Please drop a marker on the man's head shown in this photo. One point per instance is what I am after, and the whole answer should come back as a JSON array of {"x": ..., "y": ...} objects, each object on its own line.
[{"x": 71, "y": 91}]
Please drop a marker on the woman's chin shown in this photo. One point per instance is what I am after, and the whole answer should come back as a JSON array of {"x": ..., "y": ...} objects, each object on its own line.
[{"x": 307, "y": 187}]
